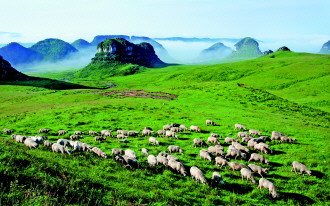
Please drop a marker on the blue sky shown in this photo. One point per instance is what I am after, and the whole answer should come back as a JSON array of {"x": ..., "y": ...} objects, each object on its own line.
[{"x": 275, "y": 22}]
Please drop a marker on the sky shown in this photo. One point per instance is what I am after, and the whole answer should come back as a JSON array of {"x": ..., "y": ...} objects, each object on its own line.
[{"x": 303, "y": 24}]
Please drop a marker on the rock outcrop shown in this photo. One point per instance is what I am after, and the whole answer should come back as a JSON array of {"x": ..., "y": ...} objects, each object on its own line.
[
  {"x": 325, "y": 48},
  {"x": 122, "y": 51},
  {"x": 283, "y": 48},
  {"x": 216, "y": 51},
  {"x": 267, "y": 52},
  {"x": 8, "y": 73},
  {"x": 246, "y": 48},
  {"x": 19, "y": 55}
]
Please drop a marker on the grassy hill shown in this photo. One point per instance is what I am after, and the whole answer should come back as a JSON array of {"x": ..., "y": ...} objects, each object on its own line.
[{"x": 271, "y": 93}]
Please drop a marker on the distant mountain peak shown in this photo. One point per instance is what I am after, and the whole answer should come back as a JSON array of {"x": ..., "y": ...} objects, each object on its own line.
[
  {"x": 246, "y": 47},
  {"x": 325, "y": 48}
]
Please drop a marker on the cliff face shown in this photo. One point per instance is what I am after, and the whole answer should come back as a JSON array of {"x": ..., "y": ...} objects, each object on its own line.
[
  {"x": 123, "y": 51},
  {"x": 8, "y": 73},
  {"x": 325, "y": 48},
  {"x": 246, "y": 47}
]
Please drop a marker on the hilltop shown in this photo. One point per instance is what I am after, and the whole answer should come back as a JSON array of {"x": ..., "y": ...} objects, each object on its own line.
[
  {"x": 81, "y": 44},
  {"x": 216, "y": 51},
  {"x": 246, "y": 48},
  {"x": 325, "y": 48}
]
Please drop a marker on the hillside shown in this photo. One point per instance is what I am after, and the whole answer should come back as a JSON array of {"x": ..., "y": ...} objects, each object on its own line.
[
  {"x": 16, "y": 54},
  {"x": 81, "y": 44},
  {"x": 54, "y": 49},
  {"x": 246, "y": 48},
  {"x": 216, "y": 51},
  {"x": 325, "y": 48},
  {"x": 271, "y": 93},
  {"x": 8, "y": 73}
]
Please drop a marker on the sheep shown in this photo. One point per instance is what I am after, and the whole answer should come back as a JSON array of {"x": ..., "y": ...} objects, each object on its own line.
[
  {"x": 236, "y": 166},
  {"x": 197, "y": 174},
  {"x": 264, "y": 138},
  {"x": 262, "y": 147},
  {"x": 63, "y": 142},
  {"x": 161, "y": 133},
  {"x": 258, "y": 157},
  {"x": 245, "y": 172},
  {"x": 86, "y": 147},
  {"x": 194, "y": 128},
  {"x": 240, "y": 147},
  {"x": 240, "y": 127},
  {"x": 215, "y": 135},
  {"x": 76, "y": 145},
  {"x": 130, "y": 153},
  {"x": 175, "y": 125},
  {"x": 146, "y": 132},
  {"x": 92, "y": 133},
  {"x": 48, "y": 143},
  {"x": 106, "y": 133},
  {"x": 44, "y": 130},
  {"x": 221, "y": 161},
  {"x": 99, "y": 138},
  {"x": 171, "y": 134},
  {"x": 78, "y": 133},
  {"x": 116, "y": 151},
  {"x": 301, "y": 167},
  {"x": 123, "y": 132},
  {"x": 162, "y": 160},
  {"x": 209, "y": 122},
  {"x": 144, "y": 151},
  {"x": 213, "y": 140},
  {"x": 183, "y": 127},
  {"x": 171, "y": 157},
  {"x": 233, "y": 152},
  {"x": 74, "y": 137},
  {"x": 230, "y": 140},
  {"x": 7, "y": 131},
  {"x": 20, "y": 138},
  {"x": 199, "y": 142},
  {"x": 173, "y": 148},
  {"x": 176, "y": 129},
  {"x": 177, "y": 166},
  {"x": 217, "y": 178},
  {"x": 251, "y": 143},
  {"x": 258, "y": 169},
  {"x": 287, "y": 139},
  {"x": 99, "y": 152},
  {"x": 246, "y": 139},
  {"x": 204, "y": 154},
  {"x": 254, "y": 132},
  {"x": 276, "y": 135},
  {"x": 60, "y": 148},
  {"x": 153, "y": 141},
  {"x": 243, "y": 134},
  {"x": 217, "y": 149},
  {"x": 268, "y": 185},
  {"x": 62, "y": 132},
  {"x": 30, "y": 143},
  {"x": 131, "y": 162},
  {"x": 38, "y": 139},
  {"x": 163, "y": 154},
  {"x": 167, "y": 127},
  {"x": 152, "y": 160},
  {"x": 121, "y": 136}
]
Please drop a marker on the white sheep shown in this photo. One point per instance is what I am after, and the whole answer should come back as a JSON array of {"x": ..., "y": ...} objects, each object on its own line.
[
  {"x": 167, "y": 127},
  {"x": 78, "y": 133},
  {"x": 230, "y": 140},
  {"x": 30, "y": 143},
  {"x": 268, "y": 185},
  {"x": 48, "y": 143},
  {"x": 62, "y": 132},
  {"x": 91, "y": 133},
  {"x": 209, "y": 122},
  {"x": 60, "y": 148},
  {"x": 20, "y": 138},
  {"x": 258, "y": 157},
  {"x": 176, "y": 129},
  {"x": 171, "y": 157},
  {"x": 171, "y": 134},
  {"x": 233, "y": 152},
  {"x": 258, "y": 169},
  {"x": 220, "y": 161},
  {"x": 245, "y": 172},
  {"x": 199, "y": 142},
  {"x": 99, "y": 152},
  {"x": 116, "y": 151},
  {"x": 240, "y": 147},
  {"x": 153, "y": 141},
  {"x": 162, "y": 160},
  {"x": 243, "y": 134},
  {"x": 254, "y": 132},
  {"x": 161, "y": 133},
  {"x": 194, "y": 128},
  {"x": 63, "y": 142},
  {"x": 147, "y": 132},
  {"x": 240, "y": 127},
  {"x": 213, "y": 140},
  {"x": 204, "y": 154},
  {"x": 287, "y": 139},
  {"x": 130, "y": 153},
  {"x": 217, "y": 149},
  {"x": 144, "y": 151},
  {"x": 276, "y": 135},
  {"x": 197, "y": 174},
  {"x": 236, "y": 166},
  {"x": 152, "y": 160},
  {"x": 183, "y": 127},
  {"x": 174, "y": 148},
  {"x": 301, "y": 167}
]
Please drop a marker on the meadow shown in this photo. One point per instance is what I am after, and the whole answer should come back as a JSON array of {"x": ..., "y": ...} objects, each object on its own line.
[{"x": 286, "y": 92}]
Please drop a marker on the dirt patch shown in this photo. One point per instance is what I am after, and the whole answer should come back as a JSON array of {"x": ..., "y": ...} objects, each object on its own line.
[{"x": 141, "y": 93}]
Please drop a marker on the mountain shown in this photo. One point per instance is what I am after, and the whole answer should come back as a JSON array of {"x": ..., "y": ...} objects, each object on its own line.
[
  {"x": 194, "y": 39},
  {"x": 54, "y": 49},
  {"x": 325, "y": 48},
  {"x": 19, "y": 55},
  {"x": 81, "y": 44},
  {"x": 98, "y": 39},
  {"x": 246, "y": 48},
  {"x": 7, "y": 72},
  {"x": 216, "y": 51}
]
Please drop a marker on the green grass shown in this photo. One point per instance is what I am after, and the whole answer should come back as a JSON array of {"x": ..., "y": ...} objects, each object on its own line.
[{"x": 242, "y": 92}]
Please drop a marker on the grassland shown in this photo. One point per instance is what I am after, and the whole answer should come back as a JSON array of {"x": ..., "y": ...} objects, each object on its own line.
[{"x": 286, "y": 92}]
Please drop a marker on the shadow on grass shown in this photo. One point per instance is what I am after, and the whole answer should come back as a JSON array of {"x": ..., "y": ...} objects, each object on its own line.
[
  {"x": 275, "y": 164},
  {"x": 277, "y": 152},
  {"x": 238, "y": 188},
  {"x": 47, "y": 83},
  {"x": 276, "y": 176},
  {"x": 318, "y": 174},
  {"x": 297, "y": 198}
]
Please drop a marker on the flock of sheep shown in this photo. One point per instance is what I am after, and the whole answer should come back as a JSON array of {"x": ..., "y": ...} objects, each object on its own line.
[{"x": 253, "y": 140}]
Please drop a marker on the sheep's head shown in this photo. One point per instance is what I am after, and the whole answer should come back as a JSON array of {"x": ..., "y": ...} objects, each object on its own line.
[
  {"x": 267, "y": 161},
  {"x": 309, "y": 172},
  {"x": 265, "y": 170}
]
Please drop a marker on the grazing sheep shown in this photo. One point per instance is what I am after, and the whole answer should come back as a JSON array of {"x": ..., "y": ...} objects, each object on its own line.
[
  {"x": 147, "y": 132},
  {"x": 173, "y": 149},
  {"x": 217, "y": 149},
  {"x": 152, "y": 160},
  {"x": 115, "y": 152},
  {"x": 171, "y": 134},
  {"x": 213, "y": 140},
  {"x": 153, "y": 141},
  {"x": 62, "y": 132},
  {"x": 215, "y": 135},
  {"x": 121, "y": 136},
  {"x": 251, "y": 143},
  {"x": 38, "y": 139},
  {"x": 75, "y": 137},
  {"x": 130, "y": 153},
  {"x": 240, "y": 127},
  {"x": 301, "y": 167},
  {"x": 99, "y": 138},
  {"x": 194, "y": 128},
  {"x": 246, "y": 139},
  {"x": 183, "y": 127},
  {"x": 287, "y": 139},
  {"x": 76, "y": 145},
  {"x": 268, "y": 185},
  {"x": 209, "y": 122},
  {"x": 254, "y": 132},
  {"x": 204, "y": 154},
  {"x": 262, "y": 147},
  {"x": 197, "y": 174},
  {"x": 7, "y": 131},
  {"x": 176, "y": 129},
  {"x": 20, "y": 138},
  {"x": 171, "y": 157},
  {"x": 258, "y": 157},
  {"x": 167, "y": 127},
  {"x": 60, "y": 148},
  {"x": 124, "y": 132},
  {"x": 30, "y": 143},
  {"x": 131, "y": 162},
  {"x": 163, "y": 154},
  {"x": 86, "y": 147},
  {"x": 245, "y": 172},
  {"x": 78, "y": 133},
  {"x": 162, "y": 160},
  {"x": 199, "y": 142},
  {"x": 240, "y": 147},
  {"x": 217, "y": 179},
  {"x": 106, "y": 133},
  {"x": 133, "y": 133},
  {"x": 91, "y": 133},
  {"x": 243, "y": 134},
  {"x": 99, "y": 152},
  {"x": 144, "y": 151},
  {"x": 161, "y": 133},
  {"x": 236, "y": 166},
  {"x": 48, "y": 143},
  {"x": 221, "y": 161},
  {"x": 63, "y": 142},
  {"x": 233, "y": 152},
  {"x": 276, "y": 135},
  {"x": 177, "y": 166},
  {"x": 44, "y": 130},
  {"x": 258, "y": 169},
  {"x": 230, "y": 140}
]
